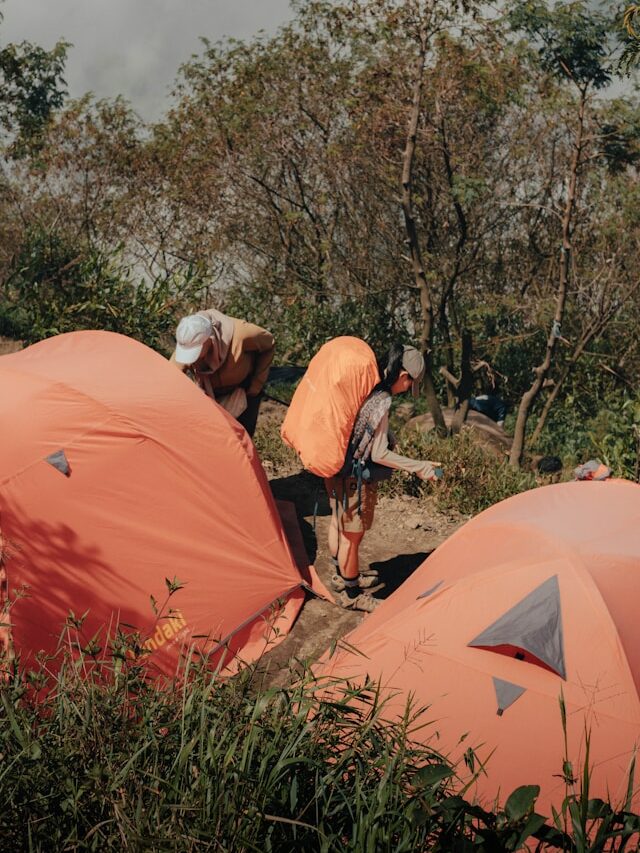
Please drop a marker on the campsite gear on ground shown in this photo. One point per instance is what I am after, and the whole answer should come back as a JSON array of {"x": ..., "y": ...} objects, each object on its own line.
[
  {"x": 491, "y": 405},
  {"x": 324, "y": 406},
  {"x": 592, "y": 470},
  {"x": 532, "y": 602},
  {"x": 549, "y": 465},
  {"x": 104, "y": 493}
]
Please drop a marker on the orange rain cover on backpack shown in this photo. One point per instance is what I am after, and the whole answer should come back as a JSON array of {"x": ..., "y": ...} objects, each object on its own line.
[{"x": 323, "y": 410}]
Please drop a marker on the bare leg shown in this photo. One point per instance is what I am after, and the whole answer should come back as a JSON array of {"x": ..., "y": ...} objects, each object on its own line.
[
  {"x": 348, "y": 555},
  {"x": 345, "y": 546}
]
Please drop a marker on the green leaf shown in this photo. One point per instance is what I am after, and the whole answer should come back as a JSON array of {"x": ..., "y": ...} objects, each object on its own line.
[
  {"x": 533, "y": 824},
  {"x": 432, "y": 774},
  {"x": 521, "y": 801},
  {"x": 597, "y": 809}
]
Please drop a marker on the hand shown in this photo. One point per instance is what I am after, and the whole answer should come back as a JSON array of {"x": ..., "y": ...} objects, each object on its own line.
[{"x": 435, "y": 473}]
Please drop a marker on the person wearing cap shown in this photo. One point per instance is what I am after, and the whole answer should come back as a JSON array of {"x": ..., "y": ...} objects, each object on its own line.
[
  {"x": 228, "y": 358},
  {"x": 353, "y": 496}
]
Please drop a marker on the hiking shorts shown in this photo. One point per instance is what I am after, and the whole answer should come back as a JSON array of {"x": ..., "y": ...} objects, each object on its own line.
[{"x": 349, "y": 519}]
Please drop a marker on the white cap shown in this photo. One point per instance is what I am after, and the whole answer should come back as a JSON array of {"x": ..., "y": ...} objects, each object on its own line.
[
  {"x": 191, "y": 335},
  {"x": 413, "y": 363}
]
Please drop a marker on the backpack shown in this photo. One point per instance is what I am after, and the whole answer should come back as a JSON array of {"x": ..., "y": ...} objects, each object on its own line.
[
  {"x": 320, "y": 419},
  {"x": 358, "y": 462}
]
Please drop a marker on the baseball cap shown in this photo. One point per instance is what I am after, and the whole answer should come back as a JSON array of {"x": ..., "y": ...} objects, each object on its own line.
[
  {"x": 191, "y": 335},
  {"x": 413, "y": 363}
]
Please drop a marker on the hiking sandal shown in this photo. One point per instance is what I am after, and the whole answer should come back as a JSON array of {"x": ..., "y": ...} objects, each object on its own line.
[
  {"x": 368, "y": 582},
  {"x": 364, "y": 602},
  {"x": 368, "y": 572}
]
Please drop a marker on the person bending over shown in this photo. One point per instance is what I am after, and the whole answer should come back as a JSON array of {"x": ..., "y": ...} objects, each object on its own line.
[
  {"x": 370, "y": 458},
  {"x": 228, "y": 358}
]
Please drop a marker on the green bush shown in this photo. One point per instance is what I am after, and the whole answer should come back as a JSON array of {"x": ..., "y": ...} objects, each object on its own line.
[
  {"x": 302, "y": 325},
  {"x": 608, "y": 432},
  {"x": 474, "y": 479},
  {"x": 59, "y": 286}
]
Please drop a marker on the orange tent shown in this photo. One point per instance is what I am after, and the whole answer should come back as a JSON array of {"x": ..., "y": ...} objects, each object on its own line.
[
  {"x": 536, "y": 597},
  {"x": 116, "y": 472}
]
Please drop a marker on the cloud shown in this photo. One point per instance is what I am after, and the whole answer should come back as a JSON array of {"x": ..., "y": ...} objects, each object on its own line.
[{"x": 134, "y": 47}]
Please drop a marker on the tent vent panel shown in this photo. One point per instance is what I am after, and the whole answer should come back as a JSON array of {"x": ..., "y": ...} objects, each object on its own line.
[
  {"x": 531, "y": 630},
  {"x": 59, "y": 461},
  {"x": 506, "y": 693}
]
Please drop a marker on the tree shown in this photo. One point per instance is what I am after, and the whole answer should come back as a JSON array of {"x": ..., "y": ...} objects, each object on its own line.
[
  {"x": 31, "y": 89},
  {"x": 573, "y": 46}
]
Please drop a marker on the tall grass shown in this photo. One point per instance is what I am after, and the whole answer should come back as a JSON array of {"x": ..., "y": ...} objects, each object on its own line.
[{"x": 98, "y": 757}]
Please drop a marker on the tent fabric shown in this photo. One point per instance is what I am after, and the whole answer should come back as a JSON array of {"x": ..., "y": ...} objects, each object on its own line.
[
  {"x": 533, "y": 625},
  {"x": 582, "y": 535},
  {"x": 323, "y": 410},
  {"x": 162, "y": 483}
]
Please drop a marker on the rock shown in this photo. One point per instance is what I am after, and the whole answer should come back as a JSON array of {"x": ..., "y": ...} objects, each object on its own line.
[{"x": 488, "y": 433}]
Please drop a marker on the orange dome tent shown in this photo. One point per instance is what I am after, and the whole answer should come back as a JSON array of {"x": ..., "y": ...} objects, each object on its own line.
[
  {"x": 116, "y": 472},
  {"x": 536, "y": 597}
]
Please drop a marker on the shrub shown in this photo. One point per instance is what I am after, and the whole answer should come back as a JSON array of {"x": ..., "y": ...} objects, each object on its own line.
[
  {"x": 473, "y": 478},
  {"x": 59, "y": 286}
]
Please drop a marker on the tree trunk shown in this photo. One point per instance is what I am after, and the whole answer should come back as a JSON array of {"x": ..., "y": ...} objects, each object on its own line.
[
  {"x": 541, "y": 371},
  {"x": 426, "y": 302},
  {"x": 449, "y": 286},
  {"x": 465, "y": 385}
]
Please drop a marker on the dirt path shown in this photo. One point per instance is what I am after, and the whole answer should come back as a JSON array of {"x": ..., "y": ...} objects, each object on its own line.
[{"x": 403, "y": 535}]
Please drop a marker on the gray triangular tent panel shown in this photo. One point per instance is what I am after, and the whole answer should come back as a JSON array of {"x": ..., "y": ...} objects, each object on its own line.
[
  {"x": 431, "y": 590},
  {"x": 506, "y": 693},
  {"x": 59, "y": 461},
  {"x": 534, "y": 624}
]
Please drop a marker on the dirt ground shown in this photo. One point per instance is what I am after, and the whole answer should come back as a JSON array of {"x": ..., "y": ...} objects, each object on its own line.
[{"x": 403, "y": 535}]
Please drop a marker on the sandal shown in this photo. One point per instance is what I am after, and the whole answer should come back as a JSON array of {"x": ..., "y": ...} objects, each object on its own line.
[
  {"x": 364, "y": 602},
  {"x": 368, "y": 582},
  {"x": 364, "y": 573}
]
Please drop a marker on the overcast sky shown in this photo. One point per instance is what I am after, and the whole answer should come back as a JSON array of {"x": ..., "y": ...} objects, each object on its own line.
[{"x": 134, "y": 47}]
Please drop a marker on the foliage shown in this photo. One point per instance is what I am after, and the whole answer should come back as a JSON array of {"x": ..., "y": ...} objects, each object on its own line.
[
  {"x": 58, "y": 286},
  {"x": 101, "y": 758},
  {"x": 615, "y": 437},
  {"x": 274, "y": 453},
  {"x": 301, "y": 327},
  {"x": 573, "y": 39},
  {"x": 32, "y": 89},
  {"x": 474, "y": 478}
]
